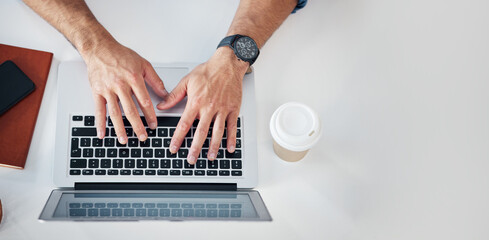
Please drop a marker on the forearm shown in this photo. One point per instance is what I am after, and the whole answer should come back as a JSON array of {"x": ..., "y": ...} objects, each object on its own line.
[
  {"x": 75, "y": 21},
  {"x": 258, "y": 19}
]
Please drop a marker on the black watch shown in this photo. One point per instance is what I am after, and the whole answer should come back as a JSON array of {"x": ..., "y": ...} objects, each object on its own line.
[{"x": 244, "y": 47}]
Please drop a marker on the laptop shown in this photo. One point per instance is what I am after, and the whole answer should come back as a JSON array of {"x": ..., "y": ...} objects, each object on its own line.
[{"x": 102, "y": 180}]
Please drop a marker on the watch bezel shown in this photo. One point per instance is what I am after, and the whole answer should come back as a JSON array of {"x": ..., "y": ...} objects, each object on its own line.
[{"x": 238, "y": 54}]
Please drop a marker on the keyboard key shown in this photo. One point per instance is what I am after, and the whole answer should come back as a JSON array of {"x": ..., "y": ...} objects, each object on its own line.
[
  {"x": 89, "y": 121},
  {"x": 128, "y": 212},
  {"x": 116, "y": 212},
  {"x": 75, "y": 172},
  {"x": 165, "y": 163},
  {"x": 172, "y": 130},
  {"x": 167, "y": 121},
  {"x": 176, "y": 212},
  {"x": 150, "y": 172},
  {"x": 224, "y": 143},
  {"x": 123, "y": 152},
  {"x": 238, "y": 143},
  {"x": 223, "y": 205},
  {"x": 100, "y": 205},
  {"x": 235, "y": 213},
  {"x": 92, "y": 212},
  {"x": 204, "y": 152},
  {"x": 99, "y": 152},
  {"x": 224, "y": 164},
  {"x": 135, "y": 153},
  {"x": 182, "y": 153},
  {"x": 97, "y": 142},
  {"x": 175, "y": 172},
  {"x": 177, "y": 163},
  {"x": 162, "y": 172},
  {"x": 75, "y": 205},
  {"x": 223, "y": 213},
  {"x": 220, "y": 154},
  {"x": 88, "y": 132},
  {"x": 188, "y": 212},
  {"x": 77, "y": 118},
  {"x": 105, "y": 212},
  {"x": 164, "y": 212},
  {"x": 162, "y": 205},
  {"x": 151, "y": 132},
  {"x": 236, "y": 173},
  {"x": 236, "y": 164},
  {"x": 166, "y": 142},
  {"x": 125, "y": 172},
  {"x": 105, "y": 163},
  {"x": 111, "y": 152},
  {"x": 156, "y": 142},
  {"x": 141, "y": 212},
  {"x": 112, "y": 205},
  {"x": 153, "y": 163},
  {"x": 189, "y": 142},
  {"x": 100, "y": 172},
  {"x": 211, "y": 213},
  {"x": 93, "y": 163},
  {"x": 236, "y": 154},
  {"x": 149, "y": 205},
  {"x": 169, "y": 154},
  {"x": 132, "y": 142},
  {"x": 109, "y": 142},
  {"x": 236, "y": 205},
  {"x": 206, "y": 143},
  {"x": 146, "y": 143},
  {"x": 188, "y": 165},
  {"x": 223, "y": 173},
  {"x": 75, "y": 143},
  {"x": 211, "y": 205},
  {"x": 137, "y": 172},
  {"x": 78, "y": 212},
  {"x": 187, "y": 172},
  {"x": 162, "y": 132},
  {"x": 78, "y": 163},
  {"x": 152, "y": 212},
  {"x": 199, "y": 173},
  {"x": 238, "y": 133},
  {"x": 199, "y": 205},
  {"x": 129, "y": 163},
  {"x": 117, "y": 163},
  {"x": 87, "y": 172},
  {"x": 211, "y": 173},
  {"x": 87, "y": 152},
  {"x": 213, "y": 164},
  {"x": 142, "y": 163},
  {"x": 148, "y": 153},
  {"x": 201, "y": 163},
  {"x": 113, "y": 172},
  {"x": 85, "y": 142},
  {"x": 76, "y": 152},
  {"x": 118, "y": 144},
  {"x": 159, "y": 153},
  {"x": 129, "y": 132},
  {"x": 200, "y": 212}
]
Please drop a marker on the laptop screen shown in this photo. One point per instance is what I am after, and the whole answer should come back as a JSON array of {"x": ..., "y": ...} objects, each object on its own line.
[{"x": 154, "y": 205}]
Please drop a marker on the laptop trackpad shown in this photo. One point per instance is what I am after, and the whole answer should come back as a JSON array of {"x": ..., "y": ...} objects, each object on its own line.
[
  {"x": 170, "y": 76},
  {"x": 137, "y": 205}
]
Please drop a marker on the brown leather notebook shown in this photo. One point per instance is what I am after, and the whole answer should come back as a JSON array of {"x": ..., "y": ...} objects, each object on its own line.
[{"x": 17, "y": 124}]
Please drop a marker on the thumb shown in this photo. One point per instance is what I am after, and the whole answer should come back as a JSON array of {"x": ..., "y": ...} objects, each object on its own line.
[
  {"x": 176, "y": 95},
  {"x": 154, "y": 81}
]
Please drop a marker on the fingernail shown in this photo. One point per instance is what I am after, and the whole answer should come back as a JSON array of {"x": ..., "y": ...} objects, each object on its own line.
[
  {"x": 212, "y": 155},
  {"x": 231, "y": 148},
  {"x": 173, "y": 148},
  {"x": 100, "y": 133},
  {"x": 191, "y": 159},
  {"x": 142, "y": 137},
  {"x": 122, "y": 139},
  {"x": 152, "y": 125}
]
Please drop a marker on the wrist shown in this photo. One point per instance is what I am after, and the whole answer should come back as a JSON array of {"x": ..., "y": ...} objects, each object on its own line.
[
  {"x": 227, "y": 54},
  {"x": 94, "y": 41}
]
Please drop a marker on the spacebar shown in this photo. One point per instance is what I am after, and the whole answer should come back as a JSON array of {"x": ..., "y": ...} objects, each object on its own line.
[{"x": 89, "y": 132}]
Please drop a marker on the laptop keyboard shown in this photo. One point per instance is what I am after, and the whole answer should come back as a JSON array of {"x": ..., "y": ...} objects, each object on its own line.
[
  {"x": 160, "y": 209},
  {"x": 91, "y": 156}
]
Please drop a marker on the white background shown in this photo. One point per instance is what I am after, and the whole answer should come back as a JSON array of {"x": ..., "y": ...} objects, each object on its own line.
[{"x": 401, "y": 87}]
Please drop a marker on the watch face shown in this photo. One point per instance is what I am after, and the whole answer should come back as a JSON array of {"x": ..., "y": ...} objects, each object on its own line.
[{"x": 246, "y": 48}]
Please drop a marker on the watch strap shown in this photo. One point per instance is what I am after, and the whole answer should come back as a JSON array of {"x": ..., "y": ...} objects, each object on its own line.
[{"x": 228, "y": 41}]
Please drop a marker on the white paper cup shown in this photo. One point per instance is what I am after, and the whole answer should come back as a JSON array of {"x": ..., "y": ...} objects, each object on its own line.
[{"x": 295, "y": 129}]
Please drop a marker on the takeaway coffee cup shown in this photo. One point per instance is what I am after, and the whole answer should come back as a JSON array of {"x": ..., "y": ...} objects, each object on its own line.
[{"x": 295, "y": 128}]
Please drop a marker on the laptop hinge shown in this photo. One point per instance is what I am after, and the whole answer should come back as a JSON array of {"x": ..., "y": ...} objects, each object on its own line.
[{"x": 156, "y": 186}]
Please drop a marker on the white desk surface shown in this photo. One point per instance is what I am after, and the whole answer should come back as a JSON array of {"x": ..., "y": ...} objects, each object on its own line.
[{"x": 401, "y": 87}]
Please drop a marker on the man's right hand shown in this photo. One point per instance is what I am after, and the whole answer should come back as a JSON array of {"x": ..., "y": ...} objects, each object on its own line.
[{"x": 116, "y": 73}]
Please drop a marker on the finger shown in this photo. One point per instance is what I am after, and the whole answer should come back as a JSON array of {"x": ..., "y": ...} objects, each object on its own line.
[
  {"x": 116, "y": 117},
  {"x": 183, "y": 126},
  {"x": 145, "y": 103},
  {"x": 217, "y": 132},
  {"x": 154, "y": 81},
  {"x": 100, "y": 114},
  {"x": 199, "y": 137},
  {"x": 232, "y": 124},
  {"x": 175, "y": 96},
  {"x": 132, "y": 115}
]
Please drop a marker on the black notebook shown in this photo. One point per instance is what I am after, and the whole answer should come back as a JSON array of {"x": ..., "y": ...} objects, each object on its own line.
[{"x": 14, "y": 85}]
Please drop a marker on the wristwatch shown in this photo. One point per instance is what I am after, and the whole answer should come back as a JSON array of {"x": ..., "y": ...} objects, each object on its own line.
[{"x": 244, "y": 47}]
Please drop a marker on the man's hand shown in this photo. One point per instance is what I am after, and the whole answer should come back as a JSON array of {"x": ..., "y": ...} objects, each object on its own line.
[
  {"x": 214, "y": 90},
  {"x": 116, "y": 73}
]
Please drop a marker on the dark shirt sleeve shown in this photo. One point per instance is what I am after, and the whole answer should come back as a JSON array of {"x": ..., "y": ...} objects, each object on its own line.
[{"x": 300, "y": 4}]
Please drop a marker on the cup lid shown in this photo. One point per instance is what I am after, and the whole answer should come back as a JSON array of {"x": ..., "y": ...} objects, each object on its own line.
[{"x": 295, "y": 126}]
